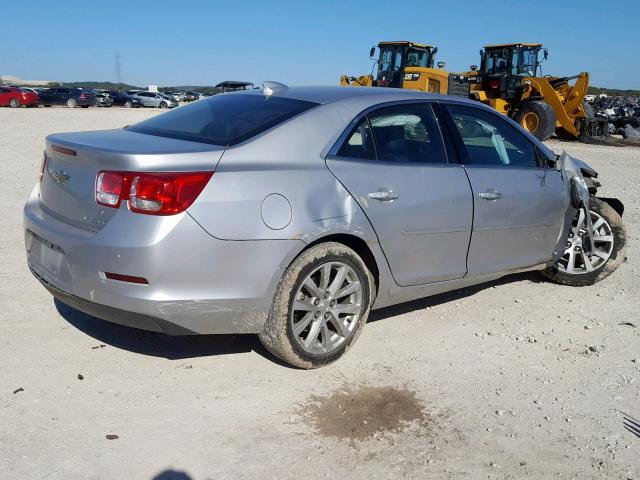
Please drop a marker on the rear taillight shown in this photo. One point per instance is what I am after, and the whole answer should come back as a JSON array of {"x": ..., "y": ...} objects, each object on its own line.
[
  {"x": 43, "y": 165},
  {"x": 109, "y": 188},
  {"x": 150, "y": 193}
]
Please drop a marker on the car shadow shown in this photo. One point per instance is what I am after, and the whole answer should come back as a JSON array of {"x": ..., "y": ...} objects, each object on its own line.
[
  {"x": 192, "y": 346},
  {"x": 157, "y": 344},
  {"x": 422, "y": 303}
]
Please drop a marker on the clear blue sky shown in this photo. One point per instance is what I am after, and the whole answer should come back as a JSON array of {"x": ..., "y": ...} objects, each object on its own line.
[{"x": 302, "y": 42}]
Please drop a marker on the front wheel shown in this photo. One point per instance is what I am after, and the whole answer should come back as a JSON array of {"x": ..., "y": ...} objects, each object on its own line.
[
  {"x": 579, "y": 266},
  {"x": 163, "y": 105},
  {"x": 538, "y": 118},
  {"x": 128, "y": 104},
  {"x": 320, "y": 306}
]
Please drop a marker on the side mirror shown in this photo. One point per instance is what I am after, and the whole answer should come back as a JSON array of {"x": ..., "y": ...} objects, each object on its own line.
[
  {"x": 441, "y": 64},
  {"x": 473, "y": 68},
  {"x": 545, "y": 52},
  {"x": 481, "y": 53},
  {"x": 372, "y": 52}
]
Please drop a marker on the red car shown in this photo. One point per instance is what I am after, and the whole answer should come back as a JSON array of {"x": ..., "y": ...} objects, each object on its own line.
[{"x": 16, "y": 97}]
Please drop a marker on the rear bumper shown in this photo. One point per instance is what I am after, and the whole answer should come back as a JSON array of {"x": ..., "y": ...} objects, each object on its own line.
[
  {"x": 196, "y": 283},
  {"x": 113, "y": 315}
]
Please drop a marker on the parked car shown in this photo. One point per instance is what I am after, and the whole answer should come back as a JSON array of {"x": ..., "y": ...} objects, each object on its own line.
[
  {"x": 16, "y": 97},
  {"x": 190, "y": 96},
  {"x": 291, "y": 212},
  {"x": 103, "y": 98},
  {"x": 155, "y": 99},
  {"x": 71, "y": 97},
  {"x": 122, "y": 99}
]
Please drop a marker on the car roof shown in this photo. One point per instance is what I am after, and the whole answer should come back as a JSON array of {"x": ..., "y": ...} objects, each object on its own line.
[{"x": 372, "y": 95}]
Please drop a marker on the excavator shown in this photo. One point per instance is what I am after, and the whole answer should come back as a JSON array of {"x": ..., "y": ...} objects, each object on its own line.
[{"x": 509, "y": 80}]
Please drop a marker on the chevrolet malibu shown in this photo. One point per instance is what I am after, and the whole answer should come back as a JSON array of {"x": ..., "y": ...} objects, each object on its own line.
[{"x": 292, "y": 212}]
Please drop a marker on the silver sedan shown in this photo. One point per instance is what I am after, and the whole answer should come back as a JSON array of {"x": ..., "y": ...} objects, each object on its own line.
[
  {"x": 155, "y": 99},
  {"x": 292, "y": 212}
]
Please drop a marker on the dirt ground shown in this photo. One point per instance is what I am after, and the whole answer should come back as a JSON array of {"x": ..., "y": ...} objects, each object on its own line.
[{"x": 515, "y": 379}]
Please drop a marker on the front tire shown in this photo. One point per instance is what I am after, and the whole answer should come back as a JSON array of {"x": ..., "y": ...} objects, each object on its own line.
[
  {"x": 163, "y": 105},
  {"x": 578, "y": 268},
  {"x": 538, "y": 118},
  {"x": 320, "y": 306},
  {"x": 128, "y": 104}
]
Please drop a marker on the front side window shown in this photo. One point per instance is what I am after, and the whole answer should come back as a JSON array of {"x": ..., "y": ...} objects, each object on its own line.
[
  {"x": 490, "y": 140},
  {"x": 496, "y": 61},
  {"x": 223, "y": 119},
  {"x": 407, "y": 133}
]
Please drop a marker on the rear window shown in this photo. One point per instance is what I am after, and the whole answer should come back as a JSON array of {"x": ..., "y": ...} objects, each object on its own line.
[{"x": 224, "y": 119}]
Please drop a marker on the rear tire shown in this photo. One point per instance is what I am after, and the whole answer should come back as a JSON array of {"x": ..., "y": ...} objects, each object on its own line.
[
  {"x": 71, "y": 103},
  {"x": 615, "y": 227},
  {"x": 14, "y": 103},
  {"x": 538, "y": 118},
  {"x": 320, "y": 306},
  {"x": 128, "y": 104}
]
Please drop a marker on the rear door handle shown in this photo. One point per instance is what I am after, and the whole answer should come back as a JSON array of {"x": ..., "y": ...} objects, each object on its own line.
[
  {"x": 383, "y": 195},
  {"x": 491, "y": 195}
]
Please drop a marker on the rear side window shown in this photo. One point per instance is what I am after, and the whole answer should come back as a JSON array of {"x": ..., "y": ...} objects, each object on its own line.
[
  {"x": 489, "y": 140},
  {"x": 360, "y": 143},
  {"x": 224, "y": 119},
  {"x": 407, "y": 133}
]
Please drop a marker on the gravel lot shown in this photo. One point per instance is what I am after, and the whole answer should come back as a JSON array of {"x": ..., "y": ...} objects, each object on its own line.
[{"x": 515, "y": 379}]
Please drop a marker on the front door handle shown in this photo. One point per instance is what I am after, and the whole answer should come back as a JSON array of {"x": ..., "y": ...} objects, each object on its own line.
[
  {"x": 491, "y": 195},
  {"x": 383, "y": 195}
]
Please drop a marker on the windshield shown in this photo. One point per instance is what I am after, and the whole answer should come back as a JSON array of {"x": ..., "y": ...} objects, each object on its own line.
[{"x": 223, "y": 119}]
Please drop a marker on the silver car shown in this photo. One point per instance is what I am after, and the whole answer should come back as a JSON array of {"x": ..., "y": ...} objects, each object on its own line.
[
  {"x": 291, "y": 212},
  {"x": 154, "y": 99}
]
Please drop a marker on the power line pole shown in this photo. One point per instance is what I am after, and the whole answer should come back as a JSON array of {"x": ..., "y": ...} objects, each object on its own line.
[{"x": 118, "y": 66}]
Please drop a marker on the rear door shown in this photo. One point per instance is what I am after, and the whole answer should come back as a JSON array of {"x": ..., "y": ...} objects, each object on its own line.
[
  {"x": 518, "y": 202},
  {"x": 393, "y": 162},
  {"x": 4, "y": 96}
]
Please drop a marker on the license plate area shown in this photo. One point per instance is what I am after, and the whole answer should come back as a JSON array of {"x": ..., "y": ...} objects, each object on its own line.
[{"x": 45, "y": 256}]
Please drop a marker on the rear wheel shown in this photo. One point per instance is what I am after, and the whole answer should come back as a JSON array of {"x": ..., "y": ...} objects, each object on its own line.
[
  {"x": 71, "y": 103},
  {"x": 128, "y": 104},
  {"x": 320, "y": 307},
  {"x": 538, "y": 118},
  {"x": 14, "y": 103},
  {"x": 579, "y": 266}
]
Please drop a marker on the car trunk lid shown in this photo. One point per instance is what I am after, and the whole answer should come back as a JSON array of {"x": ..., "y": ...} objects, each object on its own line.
[{"x": 67, "y": 188}]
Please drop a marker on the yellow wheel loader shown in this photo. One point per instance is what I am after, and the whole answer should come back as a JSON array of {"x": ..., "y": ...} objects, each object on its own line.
[{"x": 506, "y": 81}]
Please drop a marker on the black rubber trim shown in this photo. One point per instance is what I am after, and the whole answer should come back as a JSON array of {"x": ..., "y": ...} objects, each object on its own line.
[{"x": 114, "y": 315}]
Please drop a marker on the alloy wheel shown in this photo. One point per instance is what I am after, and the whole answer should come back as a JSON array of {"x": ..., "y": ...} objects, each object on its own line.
[
  {"x": 577, "y": 259},
  {"x": 326, "y": 308}
]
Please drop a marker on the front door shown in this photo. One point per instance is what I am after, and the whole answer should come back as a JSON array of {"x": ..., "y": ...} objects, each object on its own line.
[
  {"x": 394, "y": 164},
  {"x": 519, "y": 204}
]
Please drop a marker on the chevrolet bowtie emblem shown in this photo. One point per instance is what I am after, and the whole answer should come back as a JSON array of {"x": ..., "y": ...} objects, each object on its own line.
[{"x": 60, "y": 176}]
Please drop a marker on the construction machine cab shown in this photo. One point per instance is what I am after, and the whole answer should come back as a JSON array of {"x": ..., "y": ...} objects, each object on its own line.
[
  {"x": 394, "y": 57},
  {"x": 503, "y": 67}
]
